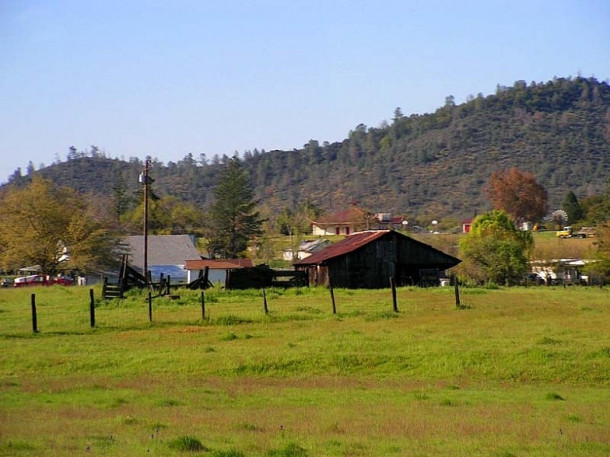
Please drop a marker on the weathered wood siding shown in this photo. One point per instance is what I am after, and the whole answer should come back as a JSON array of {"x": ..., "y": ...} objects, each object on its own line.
[{"x": 371, "y": 266}]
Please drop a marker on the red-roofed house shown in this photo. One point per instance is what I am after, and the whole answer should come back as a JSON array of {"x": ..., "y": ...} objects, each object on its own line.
[
  {"x": 354, "y": 220},
  {"x": 344, "y": 222}
]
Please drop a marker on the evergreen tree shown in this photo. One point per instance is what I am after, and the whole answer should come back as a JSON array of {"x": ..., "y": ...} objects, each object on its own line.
[
  {"x": 572, "y": 208},
  {"x": 121, "y": 198},
  {"x": 233, "y": 218}
]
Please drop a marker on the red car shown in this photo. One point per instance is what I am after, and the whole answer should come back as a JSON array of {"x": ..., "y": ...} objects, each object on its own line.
[{"x": 42, "y": 280}]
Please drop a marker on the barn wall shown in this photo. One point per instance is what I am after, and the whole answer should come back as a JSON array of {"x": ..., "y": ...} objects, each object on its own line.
[
  {"x": 372, "y": 265},
  {"x": 369, "y": 267}
]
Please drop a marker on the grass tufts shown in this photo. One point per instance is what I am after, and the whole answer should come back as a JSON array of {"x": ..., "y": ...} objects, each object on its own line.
[
  {"x": 384, "y": 315},
  {"x": 290, "y": 450},
  {"x": 548, "y": 340},
  {"x": 17, "y": 446},
  {"x": 575, "y": 418},
  {"x": 186, "y": 444},
  {"x": 130, "y": 420},
  {"x": 603, "y": 353},
  {"x": 554, "y": 396},
  {"x": 249, "y": 427},
  {"x": 229, "y": 337},
  {"x": 228, "y": 453},
  {"x": 230, "y": 320}
]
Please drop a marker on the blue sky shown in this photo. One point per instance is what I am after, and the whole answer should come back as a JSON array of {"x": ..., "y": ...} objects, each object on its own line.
[{"x": 168, "y": 78}]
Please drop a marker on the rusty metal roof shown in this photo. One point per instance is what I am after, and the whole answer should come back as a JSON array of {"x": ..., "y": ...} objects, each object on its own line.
[{"x": 349, "y": 244}]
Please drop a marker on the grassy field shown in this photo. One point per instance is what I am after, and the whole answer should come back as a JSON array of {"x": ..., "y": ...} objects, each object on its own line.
[{"x": 514, "y": 372}]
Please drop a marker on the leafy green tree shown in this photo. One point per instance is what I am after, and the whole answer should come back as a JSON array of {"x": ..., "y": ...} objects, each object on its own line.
[
  {"x": 494, "y": 250},
  {"x": 601, "y": 266},
  {"x": 233, "y": 219},
  {"x": 53, "y": 227},
  {"x": 597, "y": 207},
  {"x": 572, "y": 208},
  {"x": 167, "y": 215}
]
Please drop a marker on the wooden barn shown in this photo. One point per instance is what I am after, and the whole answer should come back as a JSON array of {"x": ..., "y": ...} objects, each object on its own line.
[{"x": 368, "y": 259}]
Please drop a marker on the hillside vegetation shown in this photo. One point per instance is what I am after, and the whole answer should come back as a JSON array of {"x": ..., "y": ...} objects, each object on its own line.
[{"x": 431, "y": 165}]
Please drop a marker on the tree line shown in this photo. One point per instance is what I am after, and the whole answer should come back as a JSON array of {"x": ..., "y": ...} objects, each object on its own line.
[{"x": 53, "y": 227}]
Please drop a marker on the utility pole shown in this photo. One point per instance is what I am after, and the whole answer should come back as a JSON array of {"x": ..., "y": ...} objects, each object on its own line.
[{"x": 145, "y": 181}]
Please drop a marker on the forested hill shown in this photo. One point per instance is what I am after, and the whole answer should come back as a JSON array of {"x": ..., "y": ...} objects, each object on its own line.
[{"x": 419, "y": 165}]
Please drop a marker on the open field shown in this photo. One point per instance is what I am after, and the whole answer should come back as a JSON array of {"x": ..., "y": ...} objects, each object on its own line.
[{"x": 515, "y": 372}]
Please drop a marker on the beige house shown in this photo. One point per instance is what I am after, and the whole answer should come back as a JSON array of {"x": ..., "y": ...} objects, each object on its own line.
[{"x": 354, "y": 220}]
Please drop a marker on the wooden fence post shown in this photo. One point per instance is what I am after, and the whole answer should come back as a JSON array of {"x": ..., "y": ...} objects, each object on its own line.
[
  {"x": 457, "y": 292},
  {"x": 265, "y": 301},
  {"x": 149, "y": 306},
  {"x": 91, "y": 308},
  {"x": 202, "y": 305},
  {"x": 34, "y": 317},
  {"x": 332, "y": 298},
  {"x": 393, "y": 286}
]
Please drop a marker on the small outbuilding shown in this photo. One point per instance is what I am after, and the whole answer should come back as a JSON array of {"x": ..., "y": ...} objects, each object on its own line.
[
  {"x": 217, "y": 268},
  {"x": 369, "y": 259}
]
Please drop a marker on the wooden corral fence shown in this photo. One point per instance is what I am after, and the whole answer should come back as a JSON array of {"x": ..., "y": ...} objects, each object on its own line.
[
  {"x": 262, "y": 276},
  {"x": 130, "y": 278}
]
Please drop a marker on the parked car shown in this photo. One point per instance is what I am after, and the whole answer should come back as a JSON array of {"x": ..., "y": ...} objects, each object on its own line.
[
  {"x": 42, "y": 280},
  {"x": 6, "y": 282}
]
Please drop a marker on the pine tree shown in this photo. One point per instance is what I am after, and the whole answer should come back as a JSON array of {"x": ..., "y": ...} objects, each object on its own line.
[
  {"x": 572, "y": 208},
  {"x": 233, "y": 218}
]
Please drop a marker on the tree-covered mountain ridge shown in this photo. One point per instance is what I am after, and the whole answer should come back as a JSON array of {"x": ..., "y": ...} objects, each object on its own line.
[{"x": 433, "y": 165}]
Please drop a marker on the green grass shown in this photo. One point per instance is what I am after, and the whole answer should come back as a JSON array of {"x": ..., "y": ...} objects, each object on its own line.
[{"x": 517, "y": 371}]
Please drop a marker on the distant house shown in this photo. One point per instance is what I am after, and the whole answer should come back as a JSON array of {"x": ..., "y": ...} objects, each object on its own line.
[
  {"x": 167, "y": 254},
  {"x": 368, "y": 259},
  {"x": 466, "y": 225},
  {"x": 353, "y": 220},
  {"x": 217, "y": 268},
  {"x": 306, "y": 248},
  {"x": 560, "y": 271}
]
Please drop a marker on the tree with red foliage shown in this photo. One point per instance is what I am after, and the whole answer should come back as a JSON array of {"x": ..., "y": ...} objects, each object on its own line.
[{"x": 518, "y": 194}]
